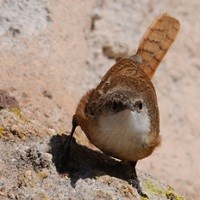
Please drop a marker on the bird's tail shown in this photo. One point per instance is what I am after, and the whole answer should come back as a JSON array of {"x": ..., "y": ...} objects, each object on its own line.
[{"x": 156, "y": 42}]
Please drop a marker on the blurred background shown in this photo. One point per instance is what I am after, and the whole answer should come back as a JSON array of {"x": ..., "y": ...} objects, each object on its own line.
[{"x": 52, "y": 52}]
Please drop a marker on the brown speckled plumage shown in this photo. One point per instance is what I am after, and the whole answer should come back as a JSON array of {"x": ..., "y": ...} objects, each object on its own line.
[{"x": 127, "y": 78}]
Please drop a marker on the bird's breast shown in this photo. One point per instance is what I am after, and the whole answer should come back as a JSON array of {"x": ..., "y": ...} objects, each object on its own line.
[{"x": 124, "y": 135}]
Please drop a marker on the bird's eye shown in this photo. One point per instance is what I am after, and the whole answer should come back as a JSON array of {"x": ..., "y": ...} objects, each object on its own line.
[
  {"x": 138, "y": 105},
  {"x": 115, "y": 106}
]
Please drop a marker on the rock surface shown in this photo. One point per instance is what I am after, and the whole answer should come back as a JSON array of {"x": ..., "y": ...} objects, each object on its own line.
[
  {"x": 27, "y": 172},
  {"x": 51, "y": 52}
]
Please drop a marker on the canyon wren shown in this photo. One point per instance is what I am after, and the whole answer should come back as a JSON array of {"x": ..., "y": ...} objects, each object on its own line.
[{"x": 120, "y": 116}]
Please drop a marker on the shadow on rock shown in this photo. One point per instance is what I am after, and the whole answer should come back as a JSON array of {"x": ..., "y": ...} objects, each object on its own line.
[{"x": 86, "y": 163}]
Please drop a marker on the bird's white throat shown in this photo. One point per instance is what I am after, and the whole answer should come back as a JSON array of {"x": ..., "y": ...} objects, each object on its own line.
[{"x": 126, "y": 122}]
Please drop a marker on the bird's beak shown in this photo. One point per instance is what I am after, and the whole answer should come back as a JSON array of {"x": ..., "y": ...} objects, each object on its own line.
[{"x": 131, "y": 107}]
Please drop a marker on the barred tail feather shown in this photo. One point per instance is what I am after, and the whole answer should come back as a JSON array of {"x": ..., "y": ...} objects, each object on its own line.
[{"x": 156, "y": 42}]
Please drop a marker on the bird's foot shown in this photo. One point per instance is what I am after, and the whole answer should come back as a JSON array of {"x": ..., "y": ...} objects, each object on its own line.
[{"x": 136, "y": 184}]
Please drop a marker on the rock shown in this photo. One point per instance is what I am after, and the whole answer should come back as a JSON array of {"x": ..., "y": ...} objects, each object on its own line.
[
  {"x": 7, "y": 101},
  {"x": 28, "y": 174},
  {"x": 11, "y": 195},
  {"x": 47, "y": 94},
  {"x": 44, "y": 173}
]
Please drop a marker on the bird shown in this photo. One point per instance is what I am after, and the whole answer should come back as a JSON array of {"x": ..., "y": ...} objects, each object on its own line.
[{"x": 121, "y": 115}]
